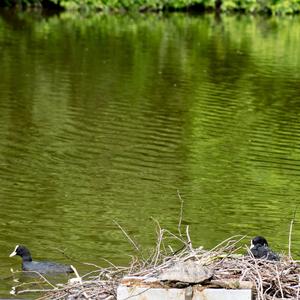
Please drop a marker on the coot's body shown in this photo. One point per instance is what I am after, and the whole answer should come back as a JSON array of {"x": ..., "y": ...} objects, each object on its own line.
[
  {"x": 260, "y": 249},
  {"x": 42, "y": 267}
]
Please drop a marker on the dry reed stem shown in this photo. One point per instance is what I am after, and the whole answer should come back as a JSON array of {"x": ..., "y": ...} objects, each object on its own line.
[
  {"x": 181, "y": 213},
  {"x": 290, "y": 233},
  {"x": 128, "y": 237}
]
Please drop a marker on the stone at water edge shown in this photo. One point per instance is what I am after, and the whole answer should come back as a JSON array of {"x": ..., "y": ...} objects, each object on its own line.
[{"x": 186, "y": 271}]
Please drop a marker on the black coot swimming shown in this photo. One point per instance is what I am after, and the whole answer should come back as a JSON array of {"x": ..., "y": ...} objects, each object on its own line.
[
  {"x": 38, "y": 266},
  {"x": 260, "y": 249}
]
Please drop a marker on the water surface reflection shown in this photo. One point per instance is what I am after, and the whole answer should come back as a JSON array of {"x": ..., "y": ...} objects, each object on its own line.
[{"x": 105, "y": 118}]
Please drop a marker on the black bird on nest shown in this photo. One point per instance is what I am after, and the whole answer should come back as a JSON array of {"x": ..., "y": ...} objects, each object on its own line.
[{"x": 260, "y": 249}]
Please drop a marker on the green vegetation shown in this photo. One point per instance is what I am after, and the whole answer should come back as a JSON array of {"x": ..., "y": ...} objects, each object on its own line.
[{"x": 248, "y": 6}]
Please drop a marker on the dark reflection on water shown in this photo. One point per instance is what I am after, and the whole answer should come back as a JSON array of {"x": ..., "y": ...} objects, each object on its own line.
[{"x": 105, "y": 118}]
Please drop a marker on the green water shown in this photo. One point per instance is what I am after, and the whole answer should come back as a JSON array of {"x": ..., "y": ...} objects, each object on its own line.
[{"x": 105, "y": 118}]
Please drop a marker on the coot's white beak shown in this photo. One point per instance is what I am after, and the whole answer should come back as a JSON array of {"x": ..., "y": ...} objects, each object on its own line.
[
  {"x": 14, "y": 252},
  {"x": 251, "y": 246}
]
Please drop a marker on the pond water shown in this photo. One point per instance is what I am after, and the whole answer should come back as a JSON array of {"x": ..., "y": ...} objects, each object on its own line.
[{"x": 107, "y": 118}]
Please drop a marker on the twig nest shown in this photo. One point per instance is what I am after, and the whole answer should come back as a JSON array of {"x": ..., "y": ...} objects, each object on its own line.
[{"x": 186, "y": 271}]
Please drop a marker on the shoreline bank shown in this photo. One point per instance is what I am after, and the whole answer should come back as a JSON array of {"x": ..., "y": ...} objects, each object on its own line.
[{"x": 253, "y": 7}]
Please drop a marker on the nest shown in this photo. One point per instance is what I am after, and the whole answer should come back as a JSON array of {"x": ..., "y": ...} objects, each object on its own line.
[{"x": 268, "y": 279}]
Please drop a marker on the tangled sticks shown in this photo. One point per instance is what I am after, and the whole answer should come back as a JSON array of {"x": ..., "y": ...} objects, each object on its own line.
[{"x": 226, "y": 268}]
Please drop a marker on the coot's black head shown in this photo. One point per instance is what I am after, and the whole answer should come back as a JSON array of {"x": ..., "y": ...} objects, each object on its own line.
[
  {"x": 259, "y": 241},
  {"x": 23, "y": 252}
]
